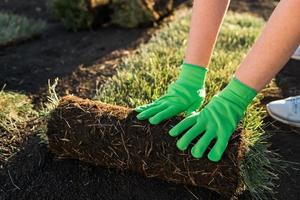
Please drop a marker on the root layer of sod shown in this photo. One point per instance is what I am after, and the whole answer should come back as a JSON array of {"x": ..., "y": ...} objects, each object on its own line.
[{"x": 111, "y": 136}]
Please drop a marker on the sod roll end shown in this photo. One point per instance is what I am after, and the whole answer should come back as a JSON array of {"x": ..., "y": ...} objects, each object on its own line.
[
  {"x": 81, "y": 14},
  {"x": 133, "y": 13},
  {"x": 111, "y": 136}
]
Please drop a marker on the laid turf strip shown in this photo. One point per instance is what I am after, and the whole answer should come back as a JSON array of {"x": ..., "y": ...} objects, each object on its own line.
[{"x": 111, "y": 136}]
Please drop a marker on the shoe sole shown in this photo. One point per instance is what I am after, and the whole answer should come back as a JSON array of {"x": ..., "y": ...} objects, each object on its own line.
[
  {"x": 296, "y": 57},
  {"x": 283, "y": 120}
]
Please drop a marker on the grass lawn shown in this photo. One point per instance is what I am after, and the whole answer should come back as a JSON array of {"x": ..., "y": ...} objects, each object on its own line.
[
  {"x": 16, "y": 112},
  {"x": 145, "y": 75},
  {"x": 15, "y": 28}
]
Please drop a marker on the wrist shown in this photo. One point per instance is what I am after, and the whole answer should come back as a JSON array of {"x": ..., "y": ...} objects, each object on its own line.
[
  {"x": 193, "y": 75},
  {"x": 238, "y": 92}
]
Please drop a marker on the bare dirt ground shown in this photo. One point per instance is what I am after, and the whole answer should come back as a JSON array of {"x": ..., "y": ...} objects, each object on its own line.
[
  {"x": 58, "y": 53},
  {"x": 82, "y": 60}
]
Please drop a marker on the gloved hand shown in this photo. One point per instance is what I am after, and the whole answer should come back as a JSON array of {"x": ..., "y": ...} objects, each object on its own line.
[
  {"x": 185, "y": 94},
  {"x": 217, "y": 121}
]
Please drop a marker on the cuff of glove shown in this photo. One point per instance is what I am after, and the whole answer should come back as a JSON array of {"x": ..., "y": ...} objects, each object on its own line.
[
  {"x": 238, "y": 92},
  {"x": 193, "y": 74}
]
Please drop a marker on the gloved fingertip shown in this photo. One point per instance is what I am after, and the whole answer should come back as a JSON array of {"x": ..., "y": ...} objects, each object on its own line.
[
  {"x": 195, "y": 153},
  {"x": 154, "y": 121},
  {"x": 181, "y": 146},
  {"x": 144, "y": 107},
  {"x": 212, "y": 156},
  {"x": 173, "y": 132},
  {"x": 141, "y": 116}
]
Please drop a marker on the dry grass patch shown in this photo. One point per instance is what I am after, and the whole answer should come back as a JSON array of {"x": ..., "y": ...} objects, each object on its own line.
[{"x": 15, "y": 28}]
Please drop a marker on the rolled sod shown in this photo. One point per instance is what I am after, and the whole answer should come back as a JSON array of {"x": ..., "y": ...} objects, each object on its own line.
[
  {"x": 81, "y": 14},
  {"x": 111, "y": 136},
  {"x": 85, "y": 14},
  {"x": 133, "y": 13}
]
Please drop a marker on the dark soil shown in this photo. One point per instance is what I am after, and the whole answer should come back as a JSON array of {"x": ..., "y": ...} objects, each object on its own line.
[
  {"x": 58, "y": 52},
  {"x": 82, "y": 60},
  {"x": 38, "y": 175}
]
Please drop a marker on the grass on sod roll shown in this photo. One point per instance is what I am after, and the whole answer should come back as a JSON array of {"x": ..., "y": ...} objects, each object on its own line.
[
  {"x": 15, "y": 28},
  {"x": 145, "y": 75}
]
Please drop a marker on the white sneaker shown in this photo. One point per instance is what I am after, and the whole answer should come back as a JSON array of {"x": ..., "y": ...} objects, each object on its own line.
[
  {"x": 286, "y": 110},
  {"x": 296, "y": 55}
]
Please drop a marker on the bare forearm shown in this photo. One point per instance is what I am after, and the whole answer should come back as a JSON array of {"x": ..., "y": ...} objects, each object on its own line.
[
  {"x": 274, "y": 47},
  {"x": 207, "y": 17}
]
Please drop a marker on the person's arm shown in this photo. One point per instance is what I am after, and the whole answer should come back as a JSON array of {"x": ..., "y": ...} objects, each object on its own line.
[
  {"x": 218, "y": 120},
  {"x": 278, "y": 41},
  {"x": 187, "y": 93},
  {"x": 207, "y": 17}
]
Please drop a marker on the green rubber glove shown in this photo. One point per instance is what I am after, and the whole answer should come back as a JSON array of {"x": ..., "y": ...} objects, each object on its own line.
[
  {"x": 217, "y": 121},
  {"x": 185, "y": 94}
]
